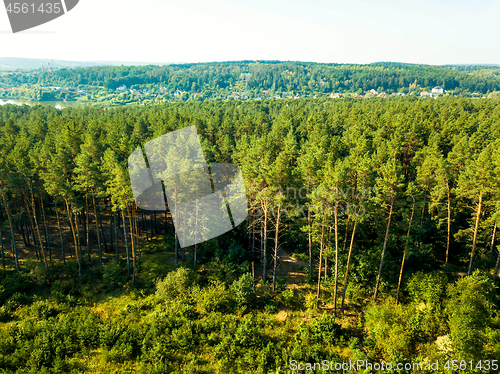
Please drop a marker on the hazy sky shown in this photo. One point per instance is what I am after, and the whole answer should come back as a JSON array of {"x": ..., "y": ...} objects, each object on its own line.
[{"x": 356, "y": 31}]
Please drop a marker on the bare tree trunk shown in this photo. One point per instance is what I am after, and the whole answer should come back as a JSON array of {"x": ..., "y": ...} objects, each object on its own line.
[
  {"x": 264, "y": 252},
  {"x": 1, "y": 244},
  {"x": 47, "y": 242},
  {"x": 495, "y": 272},
  {"x": 38, "y": 228},
  {"x": 60, "y": 234},
  {"x": 336, "y": 259},
  {"x": 97, "y": 229},
  {"x": 320, "y": 261},
  {"x": 77, "y": 229},
  {"x": 492, "y": 245},
  {"x": 74, "y": 237},
  {"x": 116, "y": 239},
  {"x": 406, "y": 249},
  {"x": 87, "y": 226},
  {"x": 9, "y": 217},
  {"x": 132, "y": 242},
  {"x": 309, "y": 240},
  {"x": 32, "y": 228},
  {"x": 476, "y": 228},
  {"x": 276, "y": 246},
  {"x": 449, "y": 228},
  {"x": 126, "y": 243},
  {"x": 137, "y": 232},
  {"x": 346, "y": 278},
  {"x": 346, "y": 231},
  {"x": 383, "y": 251}
]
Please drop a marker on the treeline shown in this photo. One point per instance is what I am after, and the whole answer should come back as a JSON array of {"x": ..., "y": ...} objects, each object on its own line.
[{"x": 298, "y": 77}]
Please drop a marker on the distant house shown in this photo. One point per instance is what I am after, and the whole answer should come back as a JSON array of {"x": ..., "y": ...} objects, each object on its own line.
[
  {"x": 297, "y": 96},
  {"x": 374, "y": 91},
  {"x": 236, "y": 96},
  {"x": 257, "y": 98},
  {"x": 424, "y": 94},
  {"x": 437, "y": 90},
  {"x": 178, "y": 93},
  {"x": 335, "y": 95},
  {"x": 244, "y": 95},
  {"x": 277, "y": 97},
  {"x": 358, "y": 97},
  {"x": 286, "y": 95},
  {"x": 197, "y": 95},
  {"x": 383, "y": 95},
  {"x": 122, "y": 88},
  {"x": 265, "y": 92}
]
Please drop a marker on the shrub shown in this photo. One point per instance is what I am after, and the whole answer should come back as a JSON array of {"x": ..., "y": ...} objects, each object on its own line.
[
  {"x": 113, "y": 275},
  {"x": 214, "y": 298},
  {"x": 175, "y": 284},
  {"x": 470, "y": 309},
  {"x": 287, "y": 296},
  {"x": 243, "y": 290}
]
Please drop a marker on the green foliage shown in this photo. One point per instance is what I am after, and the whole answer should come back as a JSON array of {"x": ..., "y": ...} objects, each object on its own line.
[
  {"x": 243, "y": 290},
  {"x": 175, "y": 285},
  {"x": 114, "y": 274},
  {"x": 470, "y": 309}
]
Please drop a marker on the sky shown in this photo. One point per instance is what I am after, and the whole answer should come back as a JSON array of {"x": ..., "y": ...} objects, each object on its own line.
[{"x": 330, "y": 31}]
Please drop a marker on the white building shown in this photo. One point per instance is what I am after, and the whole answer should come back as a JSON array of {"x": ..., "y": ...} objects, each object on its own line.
[{"x": 437, "y": 90}]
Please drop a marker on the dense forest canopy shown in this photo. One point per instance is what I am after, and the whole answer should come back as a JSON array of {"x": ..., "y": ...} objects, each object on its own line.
[{"x": 388, "y": 211}]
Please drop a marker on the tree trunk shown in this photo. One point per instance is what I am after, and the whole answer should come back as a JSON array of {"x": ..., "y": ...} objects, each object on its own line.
[
  {"x": 383, "y": 251},
  {"x": 449, "y": 228},
  {"x": 137, "y": 231},
  {"x": 77, "y": 229},
  {"x": 87, "y": 227},
  {"x": 32, "y": 228},
  {"x": 276, "y": 246},
  {"x": 492, "y": 245},
  {"x": 476, "y": 228},
  {"x": 130, "y": 220},
  {"x": 320, "y": 261},
  {"x": 336, "y": 259},
  {"x": 74, "y": 237},
  {"x": 406, "y": 249},
  {"x": 1, "y": 244},
  {"x": 126, "y": 243},
  {"x": 495, "y": 272},
  {"x": 116, "y": 239},
  {"x": 264, "y": 251},
  {"x": 346, "y": 232},
  {"x": 346, "y": 278},
  {"x": 97, "y": 229},
  {"x": 47, "y": 242},
  {"x": 14, "y": 247},
  {"x": 60, "y": 234},
  {"x": 309, "y": 241},
  {"x": 37, "y": 227}
]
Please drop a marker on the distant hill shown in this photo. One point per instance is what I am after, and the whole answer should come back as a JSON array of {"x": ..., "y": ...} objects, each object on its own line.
[{"x": 15, "y": 63}]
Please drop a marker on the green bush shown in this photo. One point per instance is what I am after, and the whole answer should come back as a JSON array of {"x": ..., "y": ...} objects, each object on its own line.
[
  {"x": 175, "y": 284},
  {"x": 243, "y": 290},
  {"x": 114, "y": 275}
]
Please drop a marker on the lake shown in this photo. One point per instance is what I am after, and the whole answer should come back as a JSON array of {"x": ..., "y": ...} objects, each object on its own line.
[{"x": 56, "y": 104}]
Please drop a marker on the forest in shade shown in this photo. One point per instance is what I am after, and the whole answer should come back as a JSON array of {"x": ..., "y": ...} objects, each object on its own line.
[{"x": 371, "y": 235}]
